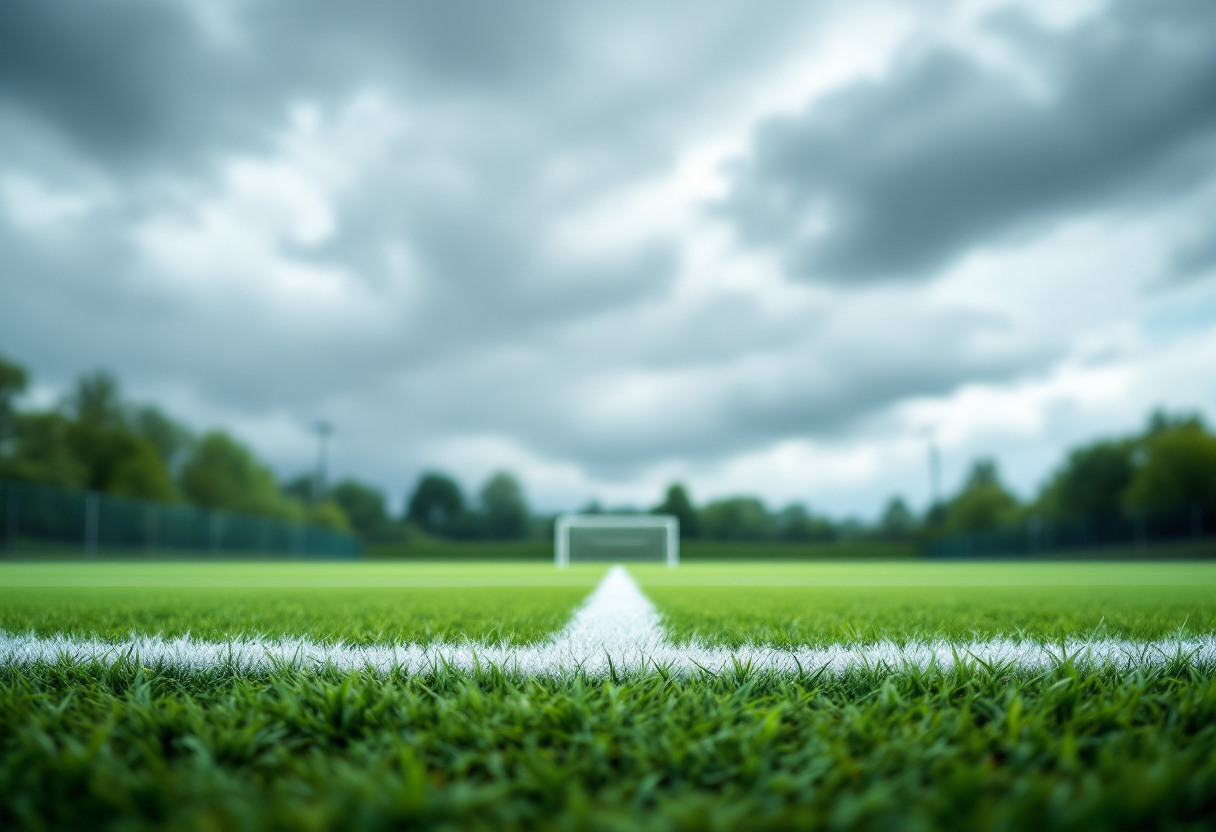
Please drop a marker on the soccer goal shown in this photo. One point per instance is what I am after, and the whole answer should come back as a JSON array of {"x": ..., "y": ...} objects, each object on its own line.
[{"x": 579, "y": 538}]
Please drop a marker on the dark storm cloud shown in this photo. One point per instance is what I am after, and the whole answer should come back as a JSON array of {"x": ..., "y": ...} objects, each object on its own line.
[
  {"x": 145, "y": 82},
  {"x": 140, "y": 81},
  {"x": 897, "y": 177}
]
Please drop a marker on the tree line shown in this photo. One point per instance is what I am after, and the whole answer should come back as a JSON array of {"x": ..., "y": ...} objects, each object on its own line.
[
  {"x": 95, "y": 439},
  {"x": 1169, "y": 464}
]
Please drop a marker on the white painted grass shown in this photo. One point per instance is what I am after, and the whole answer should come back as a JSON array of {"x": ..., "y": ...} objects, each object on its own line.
[{"x": 616, "y": 630}]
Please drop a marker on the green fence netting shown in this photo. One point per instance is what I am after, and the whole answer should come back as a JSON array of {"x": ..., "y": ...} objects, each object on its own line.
[
  {"x": 39, "y": 519},
  {"x": 1166, "y": 525}
]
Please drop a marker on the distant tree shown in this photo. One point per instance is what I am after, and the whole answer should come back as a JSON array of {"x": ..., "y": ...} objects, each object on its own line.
[
  {"x": 1091, "y": 481},
  {"x": 40, "y": 452},
  {"x": 170, "y": 438},
  {"x": 302, "y": 488},
  {"x": 113, "y": 456},
  {"x": 222, "y": 473},
  {"x": 329, "y": 513},
  {"x": 736, "y": 518},
  {"x": 678, "y": 504},
  {"x": 983, "y": 504},
  {"x": 935, "y": 518},
  {"x": 135, "y": 469},
  {"x": 96, "y": 401},
  {"x": 1179, "y": 466},
  {"x": 436, "y": 504},
  {"x": 504, "y": 510},
  {"x": 363, "y": 506},
  {"x": 1161, "y": 421},
  {"x": 13, "y": 381},
  {"x": 796, "y": 524},
  {"x": 897, "y": 522}
]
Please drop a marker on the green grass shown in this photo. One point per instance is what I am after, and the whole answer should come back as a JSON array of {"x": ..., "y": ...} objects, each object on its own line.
[
  {"x": 977, "y": 748},
  {"x": 358, "y": 603},
  {"x": 125, "y": 749},
  {"x": 823, "y": 603}
]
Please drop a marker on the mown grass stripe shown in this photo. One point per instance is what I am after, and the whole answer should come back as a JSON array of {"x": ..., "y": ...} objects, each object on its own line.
[{"x": 617, "y": 630}]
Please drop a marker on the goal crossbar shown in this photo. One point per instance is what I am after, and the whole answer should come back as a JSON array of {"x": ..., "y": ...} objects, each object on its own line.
[{"x": 565, "y": 523}]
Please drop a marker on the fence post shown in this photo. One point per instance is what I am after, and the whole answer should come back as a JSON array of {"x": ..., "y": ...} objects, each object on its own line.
[
  {"x": 9, "y": 506},
  {"x": 151, "y": 521},
  {"x": 92, "y": 509},
  {"x": 215, "y": 532}
]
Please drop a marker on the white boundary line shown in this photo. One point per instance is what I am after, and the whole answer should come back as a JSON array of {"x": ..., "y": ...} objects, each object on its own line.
[{"x": 617, "y": 630}]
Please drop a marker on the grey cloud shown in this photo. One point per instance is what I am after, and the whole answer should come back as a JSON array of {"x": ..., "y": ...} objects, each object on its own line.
[
  {"x": 141, "y": 82},
  {"x": 130, "y": 78},
  {"x": 705, "y": 407},
  {"x": 500, "y": 338},
  {"x": 906, "y": 173},
  {"x": 1195, "y": 259}
]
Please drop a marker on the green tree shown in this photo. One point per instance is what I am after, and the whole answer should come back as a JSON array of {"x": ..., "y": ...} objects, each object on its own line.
[
  {"x": 897, "y": 522},
  {"x": 796, "y": 524},
  {"x": 736, "y": 518},
  {"x": 222, "y": 473},
  {"x": 1092, "y": 480},
  {"x": 329, "y": 513},
  {"x": 436, "y": 504},
  {"x": 303, "y": 488},
  {"x": 41, "y": 452},
  {"x": 1161, "y": 420},
  {"x": 678, "y": 504},
  {"x": 363, "y": 506},
  {"x": 114, "y": 458},
  {"x": 135, "y": 469},
  {"x": 97, "y": 401},
  {"x": 983, "y": 504},
  {"x": 13, "y": 381},
  {"x": 504, "y": 509},
  {"x": 1179, "y": 466},
  {"x": 170, "y": 438}
]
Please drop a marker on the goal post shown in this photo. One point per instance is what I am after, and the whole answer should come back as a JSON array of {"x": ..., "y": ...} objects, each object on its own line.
[{"x": 614, "y": 538}]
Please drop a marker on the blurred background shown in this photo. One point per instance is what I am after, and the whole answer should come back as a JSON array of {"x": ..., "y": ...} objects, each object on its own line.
[{"x": 932, "y": 278}]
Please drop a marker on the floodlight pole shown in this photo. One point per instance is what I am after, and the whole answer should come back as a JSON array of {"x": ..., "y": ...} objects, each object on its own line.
[
  {"x": 561, "y": 542},
  {"x": 935, "y": 475},
  {"x": 324, "y": 431}
]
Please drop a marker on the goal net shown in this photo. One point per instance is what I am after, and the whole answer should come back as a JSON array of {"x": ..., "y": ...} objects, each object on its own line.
[{"x": 615, "y": 538}]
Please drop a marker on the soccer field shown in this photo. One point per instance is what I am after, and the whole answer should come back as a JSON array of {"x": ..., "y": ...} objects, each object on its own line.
[{"x": 500, "y": 696}]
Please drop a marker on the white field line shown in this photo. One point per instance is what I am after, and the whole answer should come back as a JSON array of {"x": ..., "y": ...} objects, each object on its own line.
[{"x": 616, "y": 630}]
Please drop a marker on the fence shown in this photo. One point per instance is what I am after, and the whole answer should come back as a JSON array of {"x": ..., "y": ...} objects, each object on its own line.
[
  {"x": 40, "y": 519},
  {"x": 1161, "y": 526}
]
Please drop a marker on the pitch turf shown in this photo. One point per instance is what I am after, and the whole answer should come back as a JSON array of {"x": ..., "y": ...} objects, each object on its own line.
[
  {"x": 357, "y": 603},
  {"x": 826, "y": 603},
  {"x": 122, "y": 745}
]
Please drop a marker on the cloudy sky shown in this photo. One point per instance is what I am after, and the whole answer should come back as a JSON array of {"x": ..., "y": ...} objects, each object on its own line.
[{"x": 762, "y": 247}]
